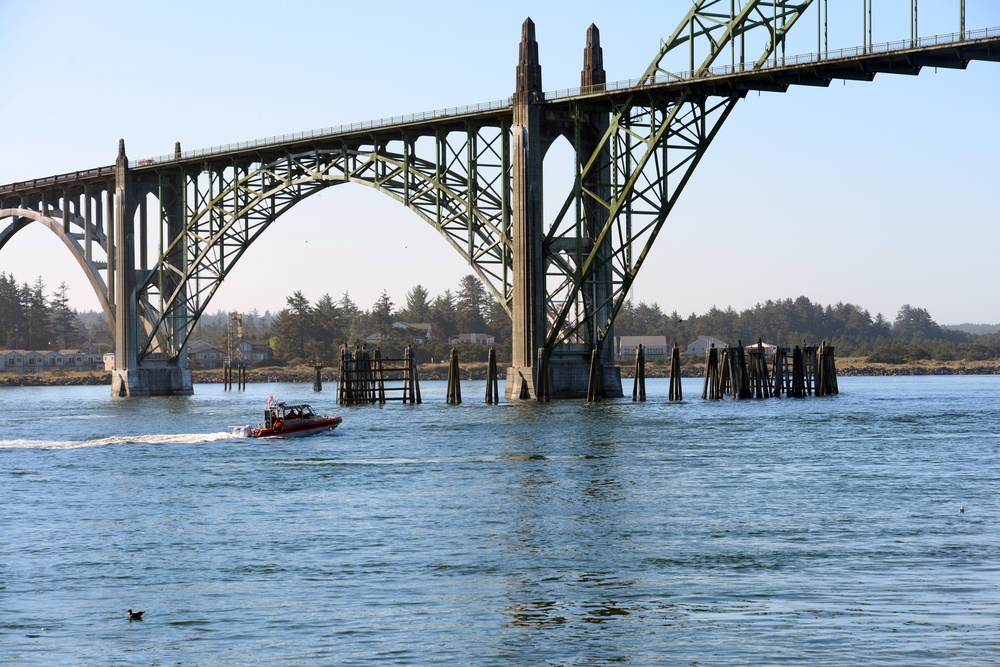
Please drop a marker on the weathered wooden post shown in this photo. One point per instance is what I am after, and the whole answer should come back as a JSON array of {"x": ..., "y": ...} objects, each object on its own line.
[
  {"x": 778, "y": 363},
  {"x": 675, "y": 393},
  {"x": 492, "y": 386},
  {"x": 741, "y": 388},
  {"x": 411, "y": 383},
  {"x": 826, "y": 384},
  {"x": 541, "y": 377},
  {"x": 726, "y": 384},
  {"x": 639, "y": 377},
  {"x": 454, "y": 381},
  {"x": 318, "y": 378},
  {"x": 711, "y": 390},
  {"x": 798, "y": 389},
  {"x": 379, "y": 375},
  {"x": 594, "y": 393}
]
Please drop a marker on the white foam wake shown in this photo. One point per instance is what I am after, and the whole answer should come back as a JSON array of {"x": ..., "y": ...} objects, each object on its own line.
[{"x": 157, "y": 439}]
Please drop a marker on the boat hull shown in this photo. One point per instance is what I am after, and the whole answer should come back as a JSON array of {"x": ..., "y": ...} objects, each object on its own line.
[{"x": 297, "y": 430}]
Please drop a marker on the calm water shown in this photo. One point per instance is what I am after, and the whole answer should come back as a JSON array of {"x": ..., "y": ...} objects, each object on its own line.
[{"x": 813, "y": 531}]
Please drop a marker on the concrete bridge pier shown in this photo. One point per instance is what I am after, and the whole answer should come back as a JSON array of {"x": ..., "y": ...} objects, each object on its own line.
[
  {"x": 533, "y": 132},
  {"x": 164, "y": 376}
]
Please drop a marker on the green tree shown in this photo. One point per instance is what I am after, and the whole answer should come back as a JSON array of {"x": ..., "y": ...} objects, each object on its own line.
[
  {"x": 381, "y": 314},
  {"x": 418, "y": 305},
  {"x": 443, "y": 318},
  {"x": 65, "y": 324},
  {"x": 470, "y": 306}
]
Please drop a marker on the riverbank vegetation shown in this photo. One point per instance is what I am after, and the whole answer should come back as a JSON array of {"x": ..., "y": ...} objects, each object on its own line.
[{"x": 306, "y": 332}]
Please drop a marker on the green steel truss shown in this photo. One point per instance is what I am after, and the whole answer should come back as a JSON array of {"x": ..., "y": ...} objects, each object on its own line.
[
  {"x": 457, "y": 180},
  {"x": 604, "y": 231}
]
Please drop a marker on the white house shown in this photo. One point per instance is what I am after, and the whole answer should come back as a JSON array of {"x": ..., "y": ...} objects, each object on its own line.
[
  {"x": 473, "y": 339},
  {"x": 701, "y": 345},
  {"x": 19, "y": 361},
  {"x": 654, "y": 348}
]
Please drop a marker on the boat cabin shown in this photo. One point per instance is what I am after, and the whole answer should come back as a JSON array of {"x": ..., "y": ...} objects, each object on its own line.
[{"x": 284, "y": 414}]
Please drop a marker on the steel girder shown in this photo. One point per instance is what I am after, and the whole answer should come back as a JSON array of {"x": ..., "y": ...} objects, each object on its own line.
[
  {"x": 647, "y": 155},
  {"x": 458, "y": 181}
]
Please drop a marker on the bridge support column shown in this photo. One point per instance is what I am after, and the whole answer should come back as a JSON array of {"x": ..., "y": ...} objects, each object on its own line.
[
  {"x": 129, "y": 378},
  {"x": 527, "y": 150},
  {"x": 568, "y": 365}
]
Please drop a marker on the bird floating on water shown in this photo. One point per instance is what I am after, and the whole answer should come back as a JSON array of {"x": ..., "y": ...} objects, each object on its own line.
[
  {"x": 961, "y": 510},
  {"x": 135, "y": 615}
]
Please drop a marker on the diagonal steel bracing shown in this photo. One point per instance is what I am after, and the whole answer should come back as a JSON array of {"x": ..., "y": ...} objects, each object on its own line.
[
  {"x": 627, "y": 186},
  {"x": 457, "y": 181}
]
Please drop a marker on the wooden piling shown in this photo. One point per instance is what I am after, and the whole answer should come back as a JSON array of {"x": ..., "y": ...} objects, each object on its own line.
[
  {"x": 541, "y": 376},
  {"x": 594, "y": 392},
  {"x": 492, "y": 386},
  {"x": 378, "y": 376},
  {"x": 675, "y": 393},
  {"x": 760, "y": 379},
  {"x": 639, "y": 377},
  {"x": 826, "y": 382},
  {"x": 779, "y": 362},
  {"x": 364, "y": 378},
  {"x": 454, "y": 381},
  {"x": 741, "y": 379},
  {"x": 798, "y": 389},
  {"x": 711, "y": 390},
  {"x": 318, "y": 378}
]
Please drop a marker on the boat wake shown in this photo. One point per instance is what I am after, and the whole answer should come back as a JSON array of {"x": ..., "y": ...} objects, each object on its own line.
[{"x": 161, "y": 439}]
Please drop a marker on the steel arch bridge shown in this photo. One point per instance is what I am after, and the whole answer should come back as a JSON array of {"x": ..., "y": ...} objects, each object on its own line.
[{"x": 474, "y": 174}]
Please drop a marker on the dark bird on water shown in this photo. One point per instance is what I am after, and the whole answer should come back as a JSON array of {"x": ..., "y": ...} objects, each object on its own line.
[
  {"x": 135, "y": 615},
  {"x": 961, "y": 510}
]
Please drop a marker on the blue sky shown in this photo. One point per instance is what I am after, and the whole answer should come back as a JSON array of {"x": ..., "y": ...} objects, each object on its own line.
[{"x": 880, "y": 194}]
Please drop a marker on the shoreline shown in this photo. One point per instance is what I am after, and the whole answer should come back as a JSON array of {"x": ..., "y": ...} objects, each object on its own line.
[{"x": 477, "y": 371}]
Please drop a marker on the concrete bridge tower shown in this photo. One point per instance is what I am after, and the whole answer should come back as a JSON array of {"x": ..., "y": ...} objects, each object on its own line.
[{"x": 534, "y": 130}]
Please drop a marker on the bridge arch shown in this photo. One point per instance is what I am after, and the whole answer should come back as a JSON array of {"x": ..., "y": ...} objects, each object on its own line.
[
  {"x": 22, "y": 217},
  {"x": 235, "y": 204}
]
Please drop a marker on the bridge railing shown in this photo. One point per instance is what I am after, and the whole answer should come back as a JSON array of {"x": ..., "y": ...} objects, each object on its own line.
[
  {"x": 780, "y": 61},
  {"x": 329, "y": 132}
]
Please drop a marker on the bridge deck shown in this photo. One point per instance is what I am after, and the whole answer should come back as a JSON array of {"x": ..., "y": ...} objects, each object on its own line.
[{"x": 954, "y": 50}]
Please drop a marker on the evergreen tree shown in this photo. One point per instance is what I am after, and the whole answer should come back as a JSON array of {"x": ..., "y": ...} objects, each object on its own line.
[
  {"x": 381, "y": 315},
  {"x": 443, "y": 317},
  {"x": 470, "y": 306},
  {"x": 38, "y": 318},
  {"x": 65, "y": 324},
  {"x": 418, "y": 305}
]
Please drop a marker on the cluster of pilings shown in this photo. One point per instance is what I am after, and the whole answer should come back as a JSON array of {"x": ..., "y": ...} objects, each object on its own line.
[
  {"x": 227, "y": 376},
  {"x": 759, "y": 372},
  {"x": 639, "y": 376},
  {"x": 369, "y": 378},
  {"x": 454, "y": 390}
]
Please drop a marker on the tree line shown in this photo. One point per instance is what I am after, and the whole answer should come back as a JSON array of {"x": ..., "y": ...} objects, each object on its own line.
[
  {"x": 307, "y": 332},
  {"x": 31, "y": 320},
  {"x": 851, "y": 329}
]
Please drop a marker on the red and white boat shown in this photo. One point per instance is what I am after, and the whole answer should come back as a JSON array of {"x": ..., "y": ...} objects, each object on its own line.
[{"x": 287, "y": 421}]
